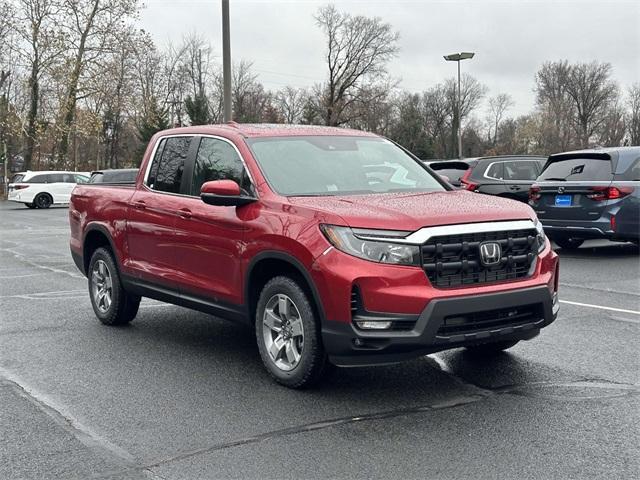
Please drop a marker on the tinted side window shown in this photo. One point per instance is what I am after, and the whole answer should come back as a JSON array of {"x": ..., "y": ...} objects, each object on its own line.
[
  {"x": 632, "y": 173},
  {"x": 495, "y": 170},
  {"x": 520, "y": 170},
  {"x": 97, "y": 177},
  {"x": 153, "y": 172},
  {"x": 171, "y": 165},
  {"x": 38, "y": 179},
  {"x": 56, "y": 178},
  {"x": 578, "y": 169},
  {"x": 69, "y": 178},
  {"x": 81, "y": 179},
  {"x": 218, "y": 160}
]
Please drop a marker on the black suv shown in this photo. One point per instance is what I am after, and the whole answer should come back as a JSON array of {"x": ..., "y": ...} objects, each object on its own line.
[{"x": 505, "y": 176}]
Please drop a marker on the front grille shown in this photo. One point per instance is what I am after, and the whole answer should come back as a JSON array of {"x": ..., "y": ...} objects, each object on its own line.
[
  {"x": 454, "y": 260},
  {"x": 490, "y": 320}
]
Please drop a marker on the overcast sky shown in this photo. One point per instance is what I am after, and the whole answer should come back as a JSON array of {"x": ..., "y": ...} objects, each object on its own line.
[{"x": 511, "y": 38}]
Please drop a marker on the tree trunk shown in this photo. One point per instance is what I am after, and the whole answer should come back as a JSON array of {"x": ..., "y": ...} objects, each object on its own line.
[
  {"x": 30, "y": 134},
  {"x": 69, "y": 105}
]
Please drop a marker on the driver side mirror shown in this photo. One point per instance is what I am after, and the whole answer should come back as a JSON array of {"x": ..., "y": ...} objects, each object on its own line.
[{"x": 224, "y": 193}]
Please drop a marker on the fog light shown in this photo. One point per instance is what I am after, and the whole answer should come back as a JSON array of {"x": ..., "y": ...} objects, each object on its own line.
[{"x": 374, "y": 325}]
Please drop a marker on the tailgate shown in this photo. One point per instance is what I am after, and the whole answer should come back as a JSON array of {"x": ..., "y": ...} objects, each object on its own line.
[
  {"x": 571, "y": 186},
  {"x": 570, "y": 201}
]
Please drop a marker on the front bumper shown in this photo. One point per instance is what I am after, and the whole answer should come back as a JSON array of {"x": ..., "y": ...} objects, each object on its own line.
[{"x": 441, "y": 326}]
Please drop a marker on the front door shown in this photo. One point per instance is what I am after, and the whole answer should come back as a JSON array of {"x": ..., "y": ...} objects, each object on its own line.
[{"x": 209, "y": 238}]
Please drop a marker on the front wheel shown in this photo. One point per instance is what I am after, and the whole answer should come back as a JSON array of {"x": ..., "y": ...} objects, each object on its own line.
[
  {"x": 490, "y": 349},
  {"x": 288, "y": 334},
  {"x": 111, "y": 303},
  {"x": 568, "y": 243}
]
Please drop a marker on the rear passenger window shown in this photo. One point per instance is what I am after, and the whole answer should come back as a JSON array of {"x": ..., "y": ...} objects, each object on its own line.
[
  {"x": 37, "y": 179},
  {"x": 56, "y": 178},
  {"x": 495, "y": 171},
  {"x": 218, "y": 160},
  {"x": 167, "y": 176},
  {"x": 520, "y": 170}
]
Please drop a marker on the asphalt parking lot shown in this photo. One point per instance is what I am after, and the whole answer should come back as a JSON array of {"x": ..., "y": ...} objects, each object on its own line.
[{"x": 179, "y": 394}]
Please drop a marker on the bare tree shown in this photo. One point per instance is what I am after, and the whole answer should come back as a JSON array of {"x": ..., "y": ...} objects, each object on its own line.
[
  {"x": 40, "y": 47},
  {"x": 613, "y": 127},
  {"x": 90, "y": 28},
  {"x": 633, "y": 114},
  {"x": 471, "y": 94},
  {"x": 290, "y": 102},
  {"x": 437, "y": 111},
  {"x": 555, "y": 104},
  {"x": 593, "y": 92},
  {"x": 498, "y": 106},
  {"x": 358, "y": 47}
]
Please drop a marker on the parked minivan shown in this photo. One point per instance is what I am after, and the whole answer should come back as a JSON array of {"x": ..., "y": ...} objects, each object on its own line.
[
  {"x": 589, "y": 194},
  {"x": 43, "y": 189}
]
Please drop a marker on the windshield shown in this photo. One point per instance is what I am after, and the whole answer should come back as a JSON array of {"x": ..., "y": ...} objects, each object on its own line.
[{"x": 339, "y": 165}]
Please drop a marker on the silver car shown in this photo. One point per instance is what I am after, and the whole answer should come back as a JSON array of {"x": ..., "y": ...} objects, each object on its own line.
[{"x": 589, "y": 194}]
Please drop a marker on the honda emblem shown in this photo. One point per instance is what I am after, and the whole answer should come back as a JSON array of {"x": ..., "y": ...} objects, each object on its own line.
[{"x": 490, "y": 253}]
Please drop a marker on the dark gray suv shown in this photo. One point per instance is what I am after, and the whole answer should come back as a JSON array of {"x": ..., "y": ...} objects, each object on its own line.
[{"x": 589, "y": 194}]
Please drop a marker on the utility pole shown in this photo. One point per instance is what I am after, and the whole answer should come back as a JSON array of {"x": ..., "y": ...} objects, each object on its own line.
[
  {"x": 226, "y": 61},
  {"x": 457, "y": 57}
]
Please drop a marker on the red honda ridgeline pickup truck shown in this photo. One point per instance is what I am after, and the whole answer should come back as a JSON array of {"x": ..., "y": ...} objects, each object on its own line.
[{"x": 338, "y": 246}]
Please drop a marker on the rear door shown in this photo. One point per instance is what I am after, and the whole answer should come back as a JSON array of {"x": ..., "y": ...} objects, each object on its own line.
[
  {"x": 518, "y": 177},
  {"x": 152, "y": 214},
  {"x": 569, "y": 187}
]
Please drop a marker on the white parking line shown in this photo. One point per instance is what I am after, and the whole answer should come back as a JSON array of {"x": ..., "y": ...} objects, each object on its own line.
[{"x": 612, "y": 309}]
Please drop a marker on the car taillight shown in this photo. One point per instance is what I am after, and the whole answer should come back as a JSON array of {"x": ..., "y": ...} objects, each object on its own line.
[
  {"x": 465, "y": 183},
  {"x": 534, "y": 193},
  {"x": 608, "y": 193},
  {"x": 20, "y": 187}
]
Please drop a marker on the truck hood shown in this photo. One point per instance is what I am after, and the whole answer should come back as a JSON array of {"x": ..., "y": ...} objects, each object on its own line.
[{"x": 410, "y": 212}]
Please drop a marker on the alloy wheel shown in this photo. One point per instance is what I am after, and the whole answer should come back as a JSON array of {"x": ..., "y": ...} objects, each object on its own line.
[
  {"x": 101, "y": 286},
  {"x": 283, "y": 332}
]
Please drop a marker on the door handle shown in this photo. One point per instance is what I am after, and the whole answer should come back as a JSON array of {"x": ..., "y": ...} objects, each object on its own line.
[
  {"x": 514, "y": 187},
  {"x": 139, "y": 204},
  {"x": 186, "y": 214}
]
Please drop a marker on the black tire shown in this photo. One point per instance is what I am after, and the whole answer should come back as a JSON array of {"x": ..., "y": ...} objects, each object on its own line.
[
  {"x": 30, "y": 205},
  {"x": 490, "y": 349},
  {"x": 123, "y": 306},
  {"x": 313, "y": 362},
  {"x": 43, "y": 200},
  {"x": 568, "y": 243}
]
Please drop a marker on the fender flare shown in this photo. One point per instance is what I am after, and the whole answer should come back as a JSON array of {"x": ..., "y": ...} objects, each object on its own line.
[
  {"x": 295, "y": 263},
  {"x": 98, "y": 227}
]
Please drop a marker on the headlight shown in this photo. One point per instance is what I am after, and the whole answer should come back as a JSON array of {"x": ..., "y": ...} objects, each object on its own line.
[
  {"x": 541, "y": 238},
  {"x": 355, "y": 242}
]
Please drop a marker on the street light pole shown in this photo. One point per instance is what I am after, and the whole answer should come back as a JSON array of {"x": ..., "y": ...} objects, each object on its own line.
[
  {"x": 226, "y": 61},
  {"x": 457, "y": 57}
]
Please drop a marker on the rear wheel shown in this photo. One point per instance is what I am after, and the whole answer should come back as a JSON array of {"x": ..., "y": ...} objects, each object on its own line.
[
  {"x": 288, "y": 334},
  {"x": 568, "y": 243},
  {"x": 490, "y": 349},
  {"x": 30, "y": 205},
  {"x": 43, "y": 200},
  {"x": 111, "y": 303}
]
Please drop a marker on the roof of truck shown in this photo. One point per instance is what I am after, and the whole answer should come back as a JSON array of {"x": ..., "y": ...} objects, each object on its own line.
[{"x": 249, "y": 130}]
